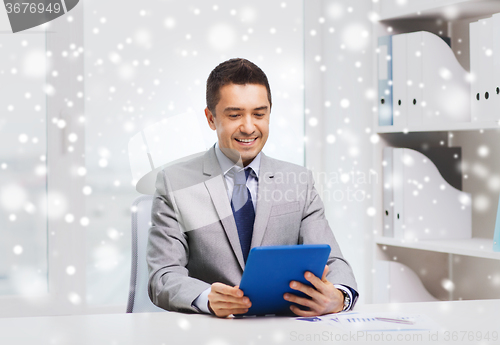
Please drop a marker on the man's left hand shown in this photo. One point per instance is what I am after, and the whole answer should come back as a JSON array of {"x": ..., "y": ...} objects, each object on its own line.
[{"x": 325, "y": 298}]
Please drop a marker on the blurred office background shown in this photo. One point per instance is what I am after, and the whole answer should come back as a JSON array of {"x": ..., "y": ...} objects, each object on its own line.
[{"x": 76, "y": 90}]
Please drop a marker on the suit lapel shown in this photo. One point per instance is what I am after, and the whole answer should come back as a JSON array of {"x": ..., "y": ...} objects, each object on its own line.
[
  {"x": 264, "y": 201},
  {"x": 217, "y": 189}
]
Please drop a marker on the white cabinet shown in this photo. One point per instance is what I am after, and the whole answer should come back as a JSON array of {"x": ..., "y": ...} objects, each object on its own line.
[{"x": 460, "y": 268}]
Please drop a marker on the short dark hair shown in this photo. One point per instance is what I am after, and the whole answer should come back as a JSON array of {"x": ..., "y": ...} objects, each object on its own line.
[{"x": 234, "y": 71}]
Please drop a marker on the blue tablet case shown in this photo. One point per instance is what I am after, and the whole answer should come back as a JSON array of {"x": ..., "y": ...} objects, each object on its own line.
[{"x": 270, "y": 269}]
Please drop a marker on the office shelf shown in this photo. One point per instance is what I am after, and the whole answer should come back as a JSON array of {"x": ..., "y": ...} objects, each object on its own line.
[
  {"x": 420, "y": 9},
  {"x": 459, "y": 126},
  {"x": 475, "y": 247},
  {"x": 450, "y": 18}
]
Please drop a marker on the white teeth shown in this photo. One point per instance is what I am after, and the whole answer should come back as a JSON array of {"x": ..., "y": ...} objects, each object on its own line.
[{"x": 246, "y": 140}]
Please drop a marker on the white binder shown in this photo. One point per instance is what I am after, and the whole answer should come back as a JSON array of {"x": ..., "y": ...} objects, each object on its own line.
[
  {"x": 398, "y": 283},
  {"x": 388, "y": 203},
  {"x": 475, "y": 55},
  {"x": 482, "y": 68},
  {"x": 431, "y": 84},
  {"x": 446, "y": 91},
  {"x": 398, "y": 193},
  {"x": 400, "y": 78},
  {"x": 496, "y": 61},
  {"x": 385, "y": 117},
  {"x": 415, "y": 84},
  {"x": 429, "y": 208}
]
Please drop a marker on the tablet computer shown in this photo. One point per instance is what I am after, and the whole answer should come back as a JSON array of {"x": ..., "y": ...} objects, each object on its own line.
[{"x": 269, "y": 271}]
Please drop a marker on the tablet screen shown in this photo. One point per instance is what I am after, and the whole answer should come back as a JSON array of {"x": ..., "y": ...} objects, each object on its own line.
[{"x": 269, "y": 271}]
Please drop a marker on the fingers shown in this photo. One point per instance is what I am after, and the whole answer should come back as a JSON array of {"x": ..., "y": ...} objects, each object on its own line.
[
  {"x": 299, "y": 312},
  {"x": 228, "y": 300},
  {"x": 225, "y": 300},
  {"x": 325, "y": 272},
  {"x": 308, "y": 290},
  {"x": 324, "y": 297},
  {"x": 303, "y": 301},
  {"x": 227, "y": 290}
]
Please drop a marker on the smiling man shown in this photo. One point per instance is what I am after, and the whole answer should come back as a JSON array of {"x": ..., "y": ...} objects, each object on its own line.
[
  {"x": 243, "y": 122},
  {"x": 210, "y": 211}
]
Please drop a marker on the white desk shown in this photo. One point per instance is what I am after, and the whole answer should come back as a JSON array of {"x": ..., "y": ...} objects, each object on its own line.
[{"x": 461, "y": 317}]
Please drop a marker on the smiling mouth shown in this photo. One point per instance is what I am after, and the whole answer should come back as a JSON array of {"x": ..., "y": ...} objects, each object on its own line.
[{"x": 246, "y": 141}]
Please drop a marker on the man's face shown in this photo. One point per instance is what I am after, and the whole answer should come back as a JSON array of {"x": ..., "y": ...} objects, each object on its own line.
[{"x": 241, "y": 120}]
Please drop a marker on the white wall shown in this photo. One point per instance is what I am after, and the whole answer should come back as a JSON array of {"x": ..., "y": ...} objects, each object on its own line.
[
  {"x": 339, "y": 101},
  {"x": 149, "y": 60}
]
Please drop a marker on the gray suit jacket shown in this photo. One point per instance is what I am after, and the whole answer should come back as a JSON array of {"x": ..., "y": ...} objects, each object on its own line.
[{"x": 193, "y": 240}]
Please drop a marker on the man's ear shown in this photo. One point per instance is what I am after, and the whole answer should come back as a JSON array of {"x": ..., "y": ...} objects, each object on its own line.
[{"x": 210, "y": 118}]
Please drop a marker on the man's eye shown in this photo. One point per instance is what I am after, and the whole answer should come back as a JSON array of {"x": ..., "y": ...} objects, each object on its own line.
[
  {"x": 233, "y": 115},
  {"x": 260, "y": 115}
]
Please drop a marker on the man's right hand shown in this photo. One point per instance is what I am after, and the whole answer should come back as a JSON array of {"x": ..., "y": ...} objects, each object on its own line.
[{"x": 224, "y": 300}]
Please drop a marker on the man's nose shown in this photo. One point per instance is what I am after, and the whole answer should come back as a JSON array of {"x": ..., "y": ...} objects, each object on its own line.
[{"x": 247, "y": 125}]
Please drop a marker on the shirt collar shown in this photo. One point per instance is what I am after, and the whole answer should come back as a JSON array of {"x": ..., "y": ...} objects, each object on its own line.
[{"x": 227, "y": 164}]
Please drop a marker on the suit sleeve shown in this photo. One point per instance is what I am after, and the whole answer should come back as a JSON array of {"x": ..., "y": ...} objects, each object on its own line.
[
  {"x": 314, "y": 229},
  {"x": 169, "y": 285}
]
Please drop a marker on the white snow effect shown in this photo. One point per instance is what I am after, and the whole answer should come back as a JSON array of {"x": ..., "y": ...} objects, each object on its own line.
[
  {"x": 23, "y": 138},
  {"x": 408, "y": 160},
  {"x": 451, "y": 12},
  {"x": 313, "y": 122},
  {"x": 355, "y": 37},
  {"x": 345, "y": 178},
  {"x": 483, "y": 151},
  {"x": 27, "y": 282},
  {"x": 354, "y": 151},
  {"x": 221, "y": 36},
  {"x": 74, "y": 298},
  {"x": 69, "y": 218},
  {"x": 143, "y": 38},
  {"x": 113, "y": 233},
  {"x": 464, "y": 199},
  {"x": 481, "y": 203},
  {"x": 81, "y": 171},
  {"x": 248, "y": 14},
  {"x": 72, "y": 137},
  {"x": 445, "y": 73},
  {"x": 114, "y": 57},
  {"x": 454, "y": 100},
  {"x": 335, "y": 10},
  {"x": 494, "y": 183},
  {"x": 13, "y": 197},
  {"x": 49, "y": 90},
  {"x": 184, "y": 324},
  {"x": 448, "y": 285},
  {"x": 18, "y": 250},
  {"x": 106, "y": 257},
  {"x": 55, "y": 205},
  {"x": 35, "y": 64},
  {"x": 217, "y": 342},
  {"x": 84, "y": 221},
  {"x": 371, "y": 211},
  {"x": 103, "y": 162},
  {"x": 41, "y": 170},
  {"x": 126, "y": 71}
]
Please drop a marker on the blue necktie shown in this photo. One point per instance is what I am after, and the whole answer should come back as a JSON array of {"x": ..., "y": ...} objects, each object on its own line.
[{"x": 244, "y": 214}]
